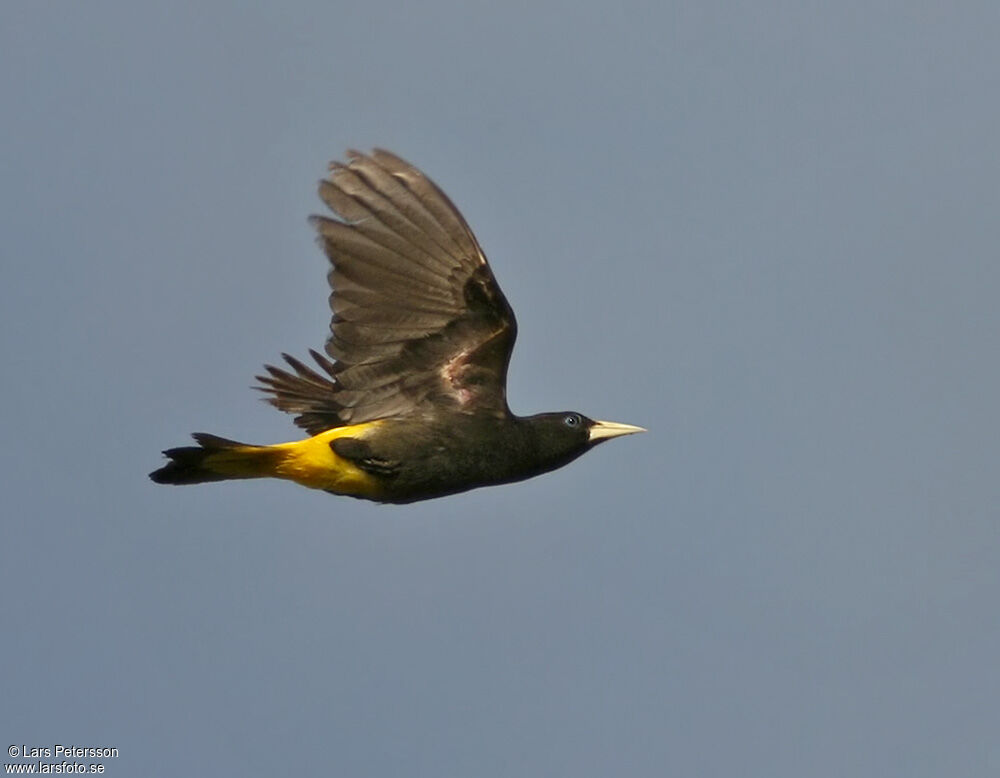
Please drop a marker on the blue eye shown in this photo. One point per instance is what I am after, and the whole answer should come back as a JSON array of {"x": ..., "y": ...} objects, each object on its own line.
[{"x": 572, "y": 420}]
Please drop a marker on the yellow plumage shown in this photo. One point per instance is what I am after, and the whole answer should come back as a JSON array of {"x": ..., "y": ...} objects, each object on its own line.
[{"x": 310, "y": 462}]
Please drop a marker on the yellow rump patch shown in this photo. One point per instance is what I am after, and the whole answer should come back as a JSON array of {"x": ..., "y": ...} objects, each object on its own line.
[
  {"x": 313, "y": 463},
  {"x": 310, "y": 462}
]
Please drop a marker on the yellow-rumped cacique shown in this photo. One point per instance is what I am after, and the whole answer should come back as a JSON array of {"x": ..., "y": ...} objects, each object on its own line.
[{"x": 409, "y": 402}]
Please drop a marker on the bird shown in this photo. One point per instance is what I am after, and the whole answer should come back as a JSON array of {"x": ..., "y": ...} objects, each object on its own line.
[{"x": 409, "y": 400}]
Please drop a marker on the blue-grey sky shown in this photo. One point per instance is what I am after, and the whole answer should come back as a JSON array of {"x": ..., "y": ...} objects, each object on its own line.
[{"x": 766, "y": 231}]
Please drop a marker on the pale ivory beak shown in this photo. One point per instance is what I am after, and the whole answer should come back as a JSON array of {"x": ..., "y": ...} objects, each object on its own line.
[{"x": 602, "y": 430}]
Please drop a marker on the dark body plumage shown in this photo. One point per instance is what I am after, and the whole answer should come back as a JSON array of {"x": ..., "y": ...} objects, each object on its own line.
[
  {"x": 409, "y": 401},
  {"x": 432, "y": 457}
]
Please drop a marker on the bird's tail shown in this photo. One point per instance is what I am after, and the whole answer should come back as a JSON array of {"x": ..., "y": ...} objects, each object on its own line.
[{"x": 216, "y": 459}]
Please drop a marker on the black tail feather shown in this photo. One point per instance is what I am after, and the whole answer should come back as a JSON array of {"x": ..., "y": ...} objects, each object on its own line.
[{"x": 187, "y": 463}]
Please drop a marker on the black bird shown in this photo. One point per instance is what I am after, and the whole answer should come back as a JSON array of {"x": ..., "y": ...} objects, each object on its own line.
[{"x": 409, "y": 401}]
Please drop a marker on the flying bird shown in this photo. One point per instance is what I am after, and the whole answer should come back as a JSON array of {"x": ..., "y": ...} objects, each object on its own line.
[{"x": 409, "y": 402}]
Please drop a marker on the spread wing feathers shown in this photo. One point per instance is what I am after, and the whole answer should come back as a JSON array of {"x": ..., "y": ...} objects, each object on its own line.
[{"x": 418, "y": 318}]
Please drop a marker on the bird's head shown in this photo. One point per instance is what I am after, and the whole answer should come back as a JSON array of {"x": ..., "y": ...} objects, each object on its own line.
[{"x": 563, "y": 436}]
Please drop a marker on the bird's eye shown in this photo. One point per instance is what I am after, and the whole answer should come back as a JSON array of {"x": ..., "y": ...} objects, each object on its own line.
[{"x": 572, "y": 420}]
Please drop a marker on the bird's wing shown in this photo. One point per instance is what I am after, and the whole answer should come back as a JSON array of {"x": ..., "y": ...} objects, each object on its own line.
[{"x": 418, "y": 318}]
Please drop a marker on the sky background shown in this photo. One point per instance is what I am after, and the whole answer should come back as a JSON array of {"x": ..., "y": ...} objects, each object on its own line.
[{"x": 766, "y": 231}]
